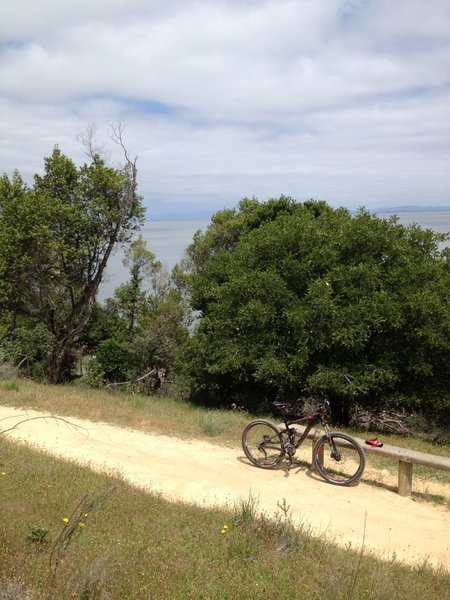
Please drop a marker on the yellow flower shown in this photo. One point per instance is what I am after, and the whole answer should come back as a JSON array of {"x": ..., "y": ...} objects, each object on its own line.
[
  {"x": 223, "y": 531},
  {"x": 66, "y": 520},
  {"x": 81, "y": 524},
  {"x": 3, "y": 473},
  {"x": 225, "y": 527}
]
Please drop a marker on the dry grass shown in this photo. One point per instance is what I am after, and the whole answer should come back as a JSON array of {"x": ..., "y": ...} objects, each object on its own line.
[{"x": 156, "y": 414}]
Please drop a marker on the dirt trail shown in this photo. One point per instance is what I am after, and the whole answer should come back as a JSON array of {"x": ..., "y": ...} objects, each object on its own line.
[{"x": 204, "y": 473}]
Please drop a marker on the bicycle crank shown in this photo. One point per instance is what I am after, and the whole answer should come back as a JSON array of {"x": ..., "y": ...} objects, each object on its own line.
[{"x": 290, "y": 451}]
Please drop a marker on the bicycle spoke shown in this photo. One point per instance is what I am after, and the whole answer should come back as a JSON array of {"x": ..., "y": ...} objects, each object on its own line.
[
  {"x": 342, "y": 462},
  {"x": 262, "y": 443}
]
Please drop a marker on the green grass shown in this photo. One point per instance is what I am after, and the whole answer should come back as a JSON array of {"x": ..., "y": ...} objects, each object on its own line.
[
  {"x": 10, "y": 386},
  {"x": 136, "y": 545}
]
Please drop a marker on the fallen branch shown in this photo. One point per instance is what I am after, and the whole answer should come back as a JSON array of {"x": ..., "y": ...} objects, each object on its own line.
[
  {"x": 67, "y": 423},
  {"x": 131, "y": 380}
]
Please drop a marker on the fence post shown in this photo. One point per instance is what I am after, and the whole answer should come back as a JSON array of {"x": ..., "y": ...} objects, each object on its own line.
[{"x": 405, "y": 472}]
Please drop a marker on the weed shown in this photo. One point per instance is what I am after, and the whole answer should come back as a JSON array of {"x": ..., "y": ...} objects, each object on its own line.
[
  {"x": 90, "y": 585},
  {"x": 38, "y": 536},
  {"x": 246, "y": 510},
  {"x": 288, "y": 536},
  {"x": 284, "y": 508},
  {"x": 212, "y": 423},
  {"x": 10, "y": 386},
  {"x": 73, "y": 525}
]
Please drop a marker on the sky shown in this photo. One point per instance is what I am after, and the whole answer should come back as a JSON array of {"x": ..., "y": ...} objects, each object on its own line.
[{"x": 346, "y": 101}]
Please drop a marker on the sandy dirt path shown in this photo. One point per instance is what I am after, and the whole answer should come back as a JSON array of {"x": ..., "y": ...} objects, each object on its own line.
[{"x": 203, "y": 473}]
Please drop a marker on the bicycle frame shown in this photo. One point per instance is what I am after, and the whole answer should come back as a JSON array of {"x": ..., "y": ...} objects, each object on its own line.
[{"x": 312, "y": 420}]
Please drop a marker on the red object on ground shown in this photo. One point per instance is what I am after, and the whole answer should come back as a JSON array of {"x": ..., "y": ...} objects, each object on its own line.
[{"x": 374, "y": 443}]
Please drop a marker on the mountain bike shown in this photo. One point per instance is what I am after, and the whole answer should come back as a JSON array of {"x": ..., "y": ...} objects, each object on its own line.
[{"x": 337, "y": 457}]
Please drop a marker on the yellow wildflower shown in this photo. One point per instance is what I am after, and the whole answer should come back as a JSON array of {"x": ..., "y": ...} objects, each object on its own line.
[
  {"x": 66, "y": 520},
  {"x": 81, "y": 524}
]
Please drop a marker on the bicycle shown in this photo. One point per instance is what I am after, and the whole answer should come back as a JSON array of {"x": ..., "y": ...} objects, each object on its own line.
[{"x": 337, "y": 457}]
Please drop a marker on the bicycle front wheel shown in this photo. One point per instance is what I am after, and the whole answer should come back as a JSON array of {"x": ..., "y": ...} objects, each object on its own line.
[
  {"x": 262, "y": 443},
  {"x": 339, "y": 459}
]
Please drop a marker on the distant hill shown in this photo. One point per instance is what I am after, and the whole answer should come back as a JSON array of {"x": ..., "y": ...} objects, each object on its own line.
[{"x": 408, "y": 209}]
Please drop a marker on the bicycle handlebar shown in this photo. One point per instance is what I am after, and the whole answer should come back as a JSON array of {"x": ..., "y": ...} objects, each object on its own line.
[{"x": 287, "y": 409}]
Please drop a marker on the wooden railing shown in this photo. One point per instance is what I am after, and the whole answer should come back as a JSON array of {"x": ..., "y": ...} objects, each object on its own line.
[{"x": 406, "y": 459}]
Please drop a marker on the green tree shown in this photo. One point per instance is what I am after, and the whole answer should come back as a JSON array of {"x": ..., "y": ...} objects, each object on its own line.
[
  {"x": 310, "y": 299},
  {"x": 163, "y": 330},
  {"x": 130, "y": 297},
  {"x": 57, "y": 237},
  {"x": 114, "y": 360},
  {"x": 14, "y": 243},
  {"x": 144, "y": 324}
]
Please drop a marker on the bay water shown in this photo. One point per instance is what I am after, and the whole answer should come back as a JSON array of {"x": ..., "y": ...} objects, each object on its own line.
[{"x": 168, "y": 240}]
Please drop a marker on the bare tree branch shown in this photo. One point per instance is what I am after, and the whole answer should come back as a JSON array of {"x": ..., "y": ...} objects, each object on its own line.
[
  {"x": 88, "y": 140},
  {"x": 132, "y": 380},
  {"x": 68, "y": 424},
  {"x": 116, "y": 136},
  {"x": 72, "y": 528}
]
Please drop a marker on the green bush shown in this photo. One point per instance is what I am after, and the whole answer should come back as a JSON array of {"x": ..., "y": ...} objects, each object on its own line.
[
  {"x": 113, "y": 360},
  {"x": 95, "y": 376}
]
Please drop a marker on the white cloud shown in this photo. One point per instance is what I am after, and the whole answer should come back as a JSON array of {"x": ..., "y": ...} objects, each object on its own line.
[{"x": 347, "y": 100}]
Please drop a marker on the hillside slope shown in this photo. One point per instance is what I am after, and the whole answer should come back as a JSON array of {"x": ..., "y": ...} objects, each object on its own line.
[{"x": 203, "y": 473}]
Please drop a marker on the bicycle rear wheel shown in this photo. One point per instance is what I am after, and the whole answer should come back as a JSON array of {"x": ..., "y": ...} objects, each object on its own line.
[
  {"x": 262, "y": 443},
  {"x": 341, "y": 461}
]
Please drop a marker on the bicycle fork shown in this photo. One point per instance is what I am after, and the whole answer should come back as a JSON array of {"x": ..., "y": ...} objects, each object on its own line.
[{"x": 335, "y": 454}]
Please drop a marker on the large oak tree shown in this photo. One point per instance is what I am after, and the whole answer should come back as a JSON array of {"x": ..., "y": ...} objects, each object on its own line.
[{"x": 298, "y": 298}]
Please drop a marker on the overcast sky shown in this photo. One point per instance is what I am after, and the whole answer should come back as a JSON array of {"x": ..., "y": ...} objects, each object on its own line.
[{"x": 342, "y": 100}]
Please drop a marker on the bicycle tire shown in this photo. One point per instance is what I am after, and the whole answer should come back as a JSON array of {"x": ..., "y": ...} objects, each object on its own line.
[
  {"x": 344, "y": 469},
  {"x": 262, "y": 442}
]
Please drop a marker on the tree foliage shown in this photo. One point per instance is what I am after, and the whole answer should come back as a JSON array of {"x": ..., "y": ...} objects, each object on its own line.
[
  {"x": 299, "y": 298},
  {"x": 142, "y": 327},
  {"x": 56, "y": 239}
]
